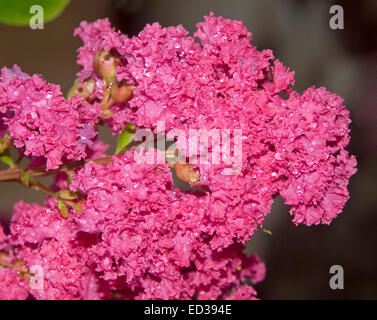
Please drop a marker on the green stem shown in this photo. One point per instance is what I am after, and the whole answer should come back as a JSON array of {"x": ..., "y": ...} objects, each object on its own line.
[{"x": 15, "y": 173}]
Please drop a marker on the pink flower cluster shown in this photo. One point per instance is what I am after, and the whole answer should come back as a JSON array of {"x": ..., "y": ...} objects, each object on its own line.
[
  {"x": 139, "y": 237},
  {"x": 136, "y": 236},
  {"x": 41, "y": 122},
  {"x": 294, "y": 146}
]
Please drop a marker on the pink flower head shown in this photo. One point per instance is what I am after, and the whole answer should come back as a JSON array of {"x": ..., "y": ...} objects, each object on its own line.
[
  {"x": 97, "y": 35},
  {"x": 63, "y": 269},
  {"x": 52, "y": 245},
  {"x": 143, "y": 222},
  {"x": 41, "y": 121},
  {"x": 312, "y": 130},
  {"x": 12, "y": 286},
  {"x": 245, "y": 292},
  {"x": 137, "y": 235}
]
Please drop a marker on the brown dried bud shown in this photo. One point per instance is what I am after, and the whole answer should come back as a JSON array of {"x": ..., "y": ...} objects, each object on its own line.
[
  {"x": 122, "y": 91},
  {"x": 107, "y": 113},
  {"x": 66, "y": 194},
  {"x": 3, "y": 258},
  {"x": 187, "y": 173}
]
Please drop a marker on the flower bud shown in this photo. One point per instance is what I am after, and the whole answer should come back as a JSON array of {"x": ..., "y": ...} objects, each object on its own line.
[
  {"x": 88, "y": 88},
  {"x": 106, "y": 62},
  {"x": 122, "y": 91},
  {"x": 187, "y": 173}
]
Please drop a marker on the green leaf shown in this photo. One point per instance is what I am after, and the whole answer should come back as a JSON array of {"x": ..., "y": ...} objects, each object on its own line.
[
  {"x": 17, "y": 12},
  {"x": 73, "y": 89},
  {"x": 6, "y": 158},
  {"x": 268, "y": 231},
  {"x": 125, "y": 138},
  {"x": 25, "y": 178},
  {"x": 63, "y": 209}
]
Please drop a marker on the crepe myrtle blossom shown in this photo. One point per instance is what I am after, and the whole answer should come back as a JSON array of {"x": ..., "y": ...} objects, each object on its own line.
[
  {"x": 118, "y": 227},
  {"x": 41, "y": 122},
  {"x": 128, "y": 240},
  {"x": 289, "y": 144}
]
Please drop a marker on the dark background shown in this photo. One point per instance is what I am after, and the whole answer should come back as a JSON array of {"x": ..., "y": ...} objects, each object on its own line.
[{"x": 298, "y": 259}]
